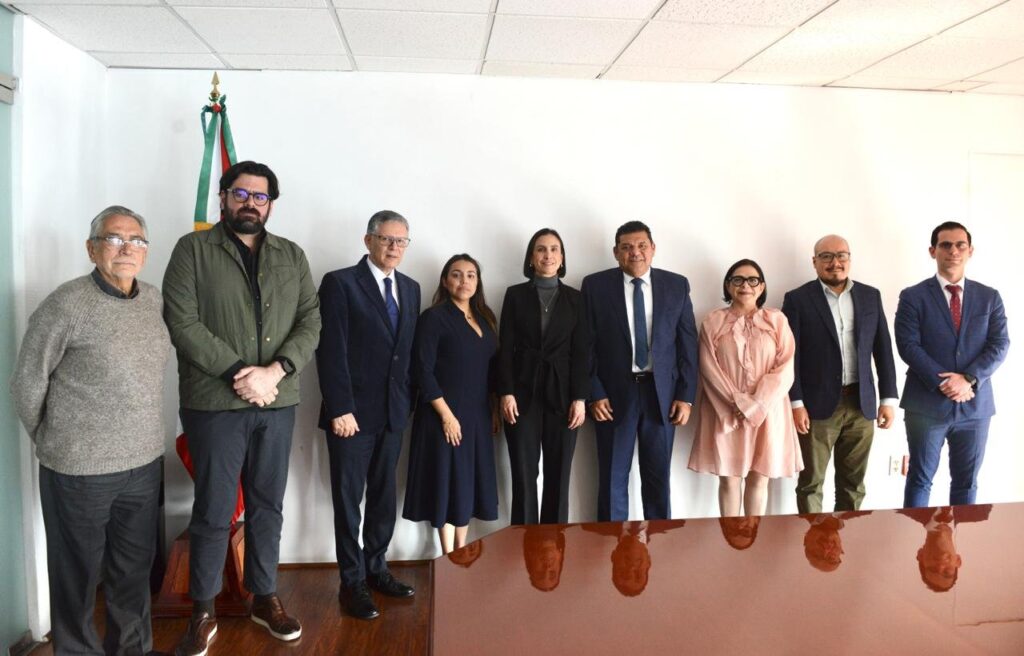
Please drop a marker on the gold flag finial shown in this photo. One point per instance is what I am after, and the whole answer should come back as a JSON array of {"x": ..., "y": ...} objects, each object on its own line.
[{"x": 215, "y": 93}]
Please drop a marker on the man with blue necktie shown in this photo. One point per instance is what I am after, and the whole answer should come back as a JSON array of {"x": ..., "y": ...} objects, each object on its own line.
[
  {"x": 644, "y": 371},
  {"x": 952, "y": 334},
  {"x": 369, "y": 316}
]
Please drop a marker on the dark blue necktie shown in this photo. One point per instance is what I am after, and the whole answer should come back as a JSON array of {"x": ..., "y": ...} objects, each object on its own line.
[
  {"x": 391, "y": 305},
  {"x": 639, "y": 324}
]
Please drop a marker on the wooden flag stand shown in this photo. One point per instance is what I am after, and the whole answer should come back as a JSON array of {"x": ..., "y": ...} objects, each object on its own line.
[{"x": 234, "y": 599}]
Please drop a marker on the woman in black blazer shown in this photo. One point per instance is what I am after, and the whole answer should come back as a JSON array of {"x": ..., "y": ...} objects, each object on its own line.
[{"x": 543, "y": 379}]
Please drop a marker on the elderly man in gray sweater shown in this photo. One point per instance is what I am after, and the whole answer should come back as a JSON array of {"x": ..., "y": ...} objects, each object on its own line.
[{"x": 88, "y": 386}]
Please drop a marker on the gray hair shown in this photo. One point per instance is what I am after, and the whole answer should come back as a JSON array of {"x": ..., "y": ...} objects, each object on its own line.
[
  {"x": 382, "y": 217},
  {"x": 114, "y": 210}
]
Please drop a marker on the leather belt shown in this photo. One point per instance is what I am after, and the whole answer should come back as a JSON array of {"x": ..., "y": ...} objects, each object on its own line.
[
  {"x": 851, "y": 390},
  {"x": 641, "y": 376}
]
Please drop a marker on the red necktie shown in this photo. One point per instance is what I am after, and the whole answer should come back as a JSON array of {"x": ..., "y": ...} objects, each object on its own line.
[{"x": 954, "y": 305}]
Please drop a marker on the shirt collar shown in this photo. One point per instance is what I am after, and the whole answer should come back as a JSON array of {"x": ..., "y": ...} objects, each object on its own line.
[
  {"x": 110, "y": 290},
  {"x": 828, "y": 290},
  {"x": 379, "y": 275},
  {"x": 943, "y": 282},
  {"x": 628, "y": 279}
]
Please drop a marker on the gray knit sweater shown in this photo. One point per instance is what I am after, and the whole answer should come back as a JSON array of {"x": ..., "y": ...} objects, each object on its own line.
[{"x": 88, "y": 384}]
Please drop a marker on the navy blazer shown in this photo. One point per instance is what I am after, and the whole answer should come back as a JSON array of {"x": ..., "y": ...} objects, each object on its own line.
[
  {"x": 553, "y": 369},
  {"x": 819, "y": 364},
  {"x": 673, "y": 340},
  {"x": 363, "y": 367},
  {"x": 928, "y": 343}
]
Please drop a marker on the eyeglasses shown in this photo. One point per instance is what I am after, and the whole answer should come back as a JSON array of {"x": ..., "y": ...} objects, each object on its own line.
[
  {"x": 241, "y": 195},
  {"x": 384, "y": 240},
  {"x": 950, "y": 245},
  {"x": 737, "y": 281},
  {"x": 117, "y": 242},
  {"x": 826, "y": 257}
]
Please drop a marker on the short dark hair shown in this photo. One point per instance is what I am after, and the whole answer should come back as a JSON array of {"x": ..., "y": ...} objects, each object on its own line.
[
  {"x": 949, "y": 225},
  {"x": 381, "y": 217},
  {"x": 728, "y": 274},
  {"x": 528, "y": 265},
  {"x": 478, "y": 303},
  {"x": 249, "y": 167},
  {"x": 633, "y": 226}
]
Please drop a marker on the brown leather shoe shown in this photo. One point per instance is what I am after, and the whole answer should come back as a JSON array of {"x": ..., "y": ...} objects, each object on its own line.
[
  {"x": 270, "y": 613},
  {"x": 201, "y": 630}
]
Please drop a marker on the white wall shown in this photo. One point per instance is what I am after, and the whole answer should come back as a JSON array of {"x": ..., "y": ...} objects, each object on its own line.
[{"x": 477, "y": 164}]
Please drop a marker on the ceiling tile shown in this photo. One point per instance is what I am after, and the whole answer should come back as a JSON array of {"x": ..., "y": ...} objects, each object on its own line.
[
  {"x": 580, "y": 8},
  {"x": 414, "y": 34},
  {"x": 119, "y": 29},
  {"x": 661, "y": 74},
  {"x": 263, "y": 4},
  {"x": 24, "y": 5},
  {"x": 1003, "y": 22},
  {"x": 457, "y": 6},
  {"x": 949, "y": 58},
  {"x": 1012, "y": 72},
  {"x": 533, "y": 69},
  {"x": 410, "y": 65},
  {"x": 966, "y": 85},
  {"x": 266, "y": 31},
  {"x": 769, "y": 77},
  {"x": 249, "y": 61},
  {"x": 1003, "y": 89},
  {"x": 719, "y": 47},
  {"x": 827, "y": 53},
  {"x": 921, "y": 17},
  {"x": 558, "y": 40},
  {"x": 781, "y": 13},
  {"x": 156, "y": 60},
  {"x": 875, "y": 82}
]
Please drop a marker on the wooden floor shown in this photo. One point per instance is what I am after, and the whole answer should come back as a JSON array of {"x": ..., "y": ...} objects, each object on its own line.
[{"x": 311, "y": 595}]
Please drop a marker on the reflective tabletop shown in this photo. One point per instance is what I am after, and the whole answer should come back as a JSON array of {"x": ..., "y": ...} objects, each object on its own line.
[{"x": 916, "y": 581}]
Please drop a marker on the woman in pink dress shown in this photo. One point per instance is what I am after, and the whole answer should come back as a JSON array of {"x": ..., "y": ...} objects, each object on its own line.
[{"x": 744, "y": 429}]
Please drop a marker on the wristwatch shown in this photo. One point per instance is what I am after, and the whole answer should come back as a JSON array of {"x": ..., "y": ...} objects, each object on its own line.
[
  {"x": 973, "y": 380},
  {"x": 287, "y": 365}
]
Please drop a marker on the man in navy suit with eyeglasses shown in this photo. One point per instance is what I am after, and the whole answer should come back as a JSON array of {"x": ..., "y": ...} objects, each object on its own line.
[{"x": 952, "y": 334}]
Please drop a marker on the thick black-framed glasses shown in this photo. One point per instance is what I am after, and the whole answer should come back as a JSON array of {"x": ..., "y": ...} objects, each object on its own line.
[
  {"x": 241, "y": 195},
  {"x": 737, "y": 281}
]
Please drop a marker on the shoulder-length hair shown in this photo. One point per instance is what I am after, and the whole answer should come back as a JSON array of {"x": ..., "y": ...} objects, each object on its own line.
[
  {"x": 477, "y": 303},
  {"x": 528, "y": 260}
]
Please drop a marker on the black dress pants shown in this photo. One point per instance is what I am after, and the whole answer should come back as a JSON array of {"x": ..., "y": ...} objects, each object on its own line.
[{"x": 540, "y": 429}]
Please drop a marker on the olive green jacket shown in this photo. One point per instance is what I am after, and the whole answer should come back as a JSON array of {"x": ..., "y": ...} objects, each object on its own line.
[{"x": 209, "y": 312}]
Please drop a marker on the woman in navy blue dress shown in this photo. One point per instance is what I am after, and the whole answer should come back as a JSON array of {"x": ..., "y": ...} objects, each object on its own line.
[{"x": 451, "y": 455}]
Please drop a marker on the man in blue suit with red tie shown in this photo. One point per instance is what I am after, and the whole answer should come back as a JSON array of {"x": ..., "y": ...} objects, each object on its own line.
[
  {"x": 644, "y": 366},
  {"x": 952, "y": 334},
  {"x": 369, "y": 314}
]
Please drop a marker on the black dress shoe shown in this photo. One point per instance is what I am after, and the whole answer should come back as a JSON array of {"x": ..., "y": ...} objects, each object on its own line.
[
  {"x": 388, "y": 585},
  {"x": 357, "y": 601}
]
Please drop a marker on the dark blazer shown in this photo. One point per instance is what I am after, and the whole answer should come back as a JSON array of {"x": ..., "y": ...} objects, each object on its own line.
[
  {"x": 363, "y": 367},
  {"x": 554, "y": 369},
  {"x": 819, "y": 363},
  {"x": 673, "y": 339},
  {"x": 929, "y": 344}
]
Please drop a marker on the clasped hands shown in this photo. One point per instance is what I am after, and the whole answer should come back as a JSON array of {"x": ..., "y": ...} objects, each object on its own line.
[
  {"x": 678, "y": 414},
  {"x": 510, "y": 411},
  {"x": 956, "y": 387},
  {"x": 258, "y": 385}
]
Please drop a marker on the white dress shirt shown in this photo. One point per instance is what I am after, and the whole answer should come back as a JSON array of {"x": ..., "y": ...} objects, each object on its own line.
[
  {"x": 945, "y": 292},
  {"x": 627, "y": 281},
  {"x": 379, "y": 276}
]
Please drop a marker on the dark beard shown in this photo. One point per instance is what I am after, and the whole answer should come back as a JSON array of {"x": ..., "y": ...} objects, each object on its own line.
[{"x": 243, "y": 225}]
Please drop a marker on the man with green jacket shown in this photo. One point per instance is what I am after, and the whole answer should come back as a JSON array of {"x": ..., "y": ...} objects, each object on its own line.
[{"x": 244, "y": 317}]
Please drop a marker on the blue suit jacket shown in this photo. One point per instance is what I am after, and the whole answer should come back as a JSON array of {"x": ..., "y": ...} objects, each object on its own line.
[
  {"x": 363, "y": 368},
  {"x": 673, "y": 339},
  {"x": 819, "y": 363},
  {"x": 929, "y": 345}
]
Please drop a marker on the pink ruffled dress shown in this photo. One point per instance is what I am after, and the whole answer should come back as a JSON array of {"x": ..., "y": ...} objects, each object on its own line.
[{"x": 745, "y": 362}]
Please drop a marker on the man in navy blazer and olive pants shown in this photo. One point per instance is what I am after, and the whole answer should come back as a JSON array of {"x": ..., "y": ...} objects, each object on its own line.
[
  {"x": 644, "y": 371},
  {"x": 369, "y": 316},
  {"x": 839, "y": 326},
  {"x": 952, "y": 334}
]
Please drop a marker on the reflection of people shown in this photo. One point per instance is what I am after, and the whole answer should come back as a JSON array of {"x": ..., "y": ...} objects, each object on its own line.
[
  {"x": 952, "y": 334},
  {"x": 739, "y": 532},
  {"x": 543, "y": 379},
  {"x": 938, "y": 560},
  {"x": 369, "y": 316},
  {"x": 88, "y": 386},
  {"x": 467, "y": 555},
  {"x": 839, "y": 326},
  {"x": 645, "y": 371},
  {"x": 744, "y": 432},
  {"x": 244, "y": 317},
  {"x": 631, "y": 559},
  {"x": 823, "y": 546},
  {"x": 451, "y": 455},
  {"x": 544, "y": 555}
]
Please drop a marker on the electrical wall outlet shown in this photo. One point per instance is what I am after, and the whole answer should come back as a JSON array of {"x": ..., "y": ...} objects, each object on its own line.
[{"x": 895, "y": 465}]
